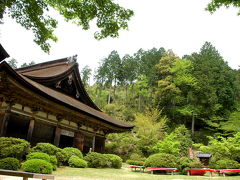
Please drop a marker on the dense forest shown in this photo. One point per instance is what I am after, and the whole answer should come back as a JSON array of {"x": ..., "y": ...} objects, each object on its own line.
[
  {"x": 160, "y": 93},
  {"x": 175, "y": 103}
]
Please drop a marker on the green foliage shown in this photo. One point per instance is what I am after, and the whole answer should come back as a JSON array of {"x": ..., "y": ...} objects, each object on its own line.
[
  {"x": 75, "y": 161},
  {"x": 37, "y": 166},
  {"x": 168, "y": 145},
  {"x": 161, "y": 160},
  {"x": 54, "y": 162},
  {"x": 70, "y": 151},
  {"x": 220, "y": 147},
  {"x": 224, "y": 164},
  {"x": 85, "y": 74},
  {"x": 9, "y": 163},
  {"x": 96, "y": 160},
  {"x": 135, "y": 162},
  {"x": 33, "y": 15},
  {"x": 12, "y": 62},
  {"x": 184, "y": 163},
  {"x": 51, "y": 150},
  {"x": 38, "y": 155},
  {"x": 13, "y": 147},
  {"x": 114, "y": 161},
  {"x": 216, "y": 4}
]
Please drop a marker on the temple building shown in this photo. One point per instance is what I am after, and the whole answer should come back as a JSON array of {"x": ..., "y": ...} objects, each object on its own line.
[{"x": 47, "y": 102}]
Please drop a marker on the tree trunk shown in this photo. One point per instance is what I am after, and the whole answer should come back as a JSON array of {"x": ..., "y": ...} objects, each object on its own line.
[
  {"x": 139, "y": 102},
  {"x": 193, "y": 124},
  {"x": 109, "y": 97}
]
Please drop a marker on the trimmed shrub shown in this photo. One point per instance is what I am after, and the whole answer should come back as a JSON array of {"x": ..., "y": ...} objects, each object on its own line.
[
  {"x": 225, "y": 164},
  {"x": 114, "y": 161},
  {"x": 13, "y": 147},
  {"x": 54, "y": 162},
  {"x": 38, "y": 155},
  {"x": 50, "y": 149},
  {"x": 70, "y": 151},
  {"x": 96, "y": 160},
  {"x": 37, "y": 166},
  {"x": 9, "y": 163},
  {"x": 75, "y": 161},
  {"x": 133, "y": 162},
  {"x": 137, "y": 157},
  {"x": 184, "y": 163},
  {"x": 196, "y": 164},
  {"x": 161, "y": 160}
]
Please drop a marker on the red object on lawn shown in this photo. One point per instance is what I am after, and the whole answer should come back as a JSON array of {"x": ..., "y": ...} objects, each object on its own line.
[{"x": 199, "y": 172}]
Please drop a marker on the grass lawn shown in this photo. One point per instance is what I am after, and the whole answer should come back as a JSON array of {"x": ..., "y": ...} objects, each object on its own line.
[{"x": 67, "y": 173}]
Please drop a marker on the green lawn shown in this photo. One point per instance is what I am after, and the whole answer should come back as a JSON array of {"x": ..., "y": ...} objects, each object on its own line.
[{"x": 67, "y": 173}]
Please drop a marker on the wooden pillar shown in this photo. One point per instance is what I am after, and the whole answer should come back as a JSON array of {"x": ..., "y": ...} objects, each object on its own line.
[
  {"x": 93, "y": 143},
  {"x": 57, "y": 136},
  {"x": 78, "y": 141},
  {"x": 30, "y": 130},
  {"x": 4, "y": 117}
]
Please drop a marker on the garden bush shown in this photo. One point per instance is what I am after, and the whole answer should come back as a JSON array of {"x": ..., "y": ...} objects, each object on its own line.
[
  {"x": 96, "y": 160},
  {"x": 75, "y": 161},
  {"x": 9, "y": 163},
  {"x": 161, "y": 160},
  {"x": 184, "y": 163},
  {"x": 54, "y": 162},
  {"x": 13, "y": 147},
  {"x": 114, "y": 161},
  {"x": 38, "y": 155},
  {"x": 225, "y": 164},
  {"x": 70, "y": 151},
  {"x": 50, "y": 149},
  {"x": 37, "y": 166},
  {"x": 133, "y": 162}
]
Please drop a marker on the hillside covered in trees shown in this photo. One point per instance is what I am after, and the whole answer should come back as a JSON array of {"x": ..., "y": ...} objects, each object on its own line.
[{"x": 158, "y": 91}]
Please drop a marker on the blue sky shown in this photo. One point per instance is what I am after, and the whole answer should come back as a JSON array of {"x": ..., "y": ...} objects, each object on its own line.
[{"x": 182, "y": 26}]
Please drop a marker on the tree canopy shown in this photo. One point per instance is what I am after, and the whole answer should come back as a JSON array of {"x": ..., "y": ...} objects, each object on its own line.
[
  {"x": 216, "y": 4},
  {"x": 33, "y": 15}
]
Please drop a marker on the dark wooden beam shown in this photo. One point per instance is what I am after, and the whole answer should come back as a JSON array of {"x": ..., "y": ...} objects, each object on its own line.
[
  {"x": 4, "y": 117},
  {"x": 93, "y": 143},
  {"x": 57, "y": 136},
  {"x": 30, "y": 130}
]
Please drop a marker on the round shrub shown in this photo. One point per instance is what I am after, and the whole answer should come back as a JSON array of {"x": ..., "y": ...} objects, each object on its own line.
[
  {"x": 50, "y": 149},
  {"x": 13, "y": 147},
  {"x": 47, "y": 148},
  {"x": 70, "y": 151},
  {"x": 75, "y": 161},
  {"x": 96, "y": 160},
  {"x": 225, "y": 164},
  {"x": 161, "y": 160},
  {"x": 37, "y": 166},
  {"x": 133, "y": 162},
  {"x": 38, "y": 155},
  {"x": 54, "y": 162},
  {"x": 9, "y": 163},
  {"x": 114, "y": 161}
]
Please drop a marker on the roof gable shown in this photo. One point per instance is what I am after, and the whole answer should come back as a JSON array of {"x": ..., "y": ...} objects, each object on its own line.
[{"x": 61, "y": 75}]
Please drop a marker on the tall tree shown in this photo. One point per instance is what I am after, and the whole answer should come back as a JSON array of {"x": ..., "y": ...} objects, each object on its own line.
[
  {"x": 13, "y": 63},
  {"x": 32, "y": 15},
  {"x": 86, "y": 73}
]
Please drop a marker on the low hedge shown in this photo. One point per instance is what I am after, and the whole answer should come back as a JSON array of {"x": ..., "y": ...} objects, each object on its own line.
[
  {"x": 114, "y": 161},
  {"x": 133, "y": 162},
  {"x": 38, "y": 155},
  {"x": 9, "y": 163},
  {"x": 13, "y": 147},
  {"x": 75, "y": 161},
  {"x": 70, "y": 151},
  {"x": 50, "y": 149},
  {"x": 37, "y": 166},
  {"x": 161, "y": 160},
  {"x": 98, "y": 160},
  {"x": 54, "y": 162}
]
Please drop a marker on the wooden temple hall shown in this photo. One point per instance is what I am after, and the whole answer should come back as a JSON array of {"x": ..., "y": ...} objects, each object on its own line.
[{"x": 47, "y": 102}]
